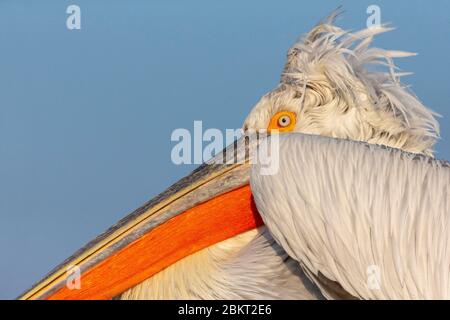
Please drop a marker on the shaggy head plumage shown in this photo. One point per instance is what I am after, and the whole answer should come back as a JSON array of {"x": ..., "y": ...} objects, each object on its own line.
[{"x": 338, "y": 86}]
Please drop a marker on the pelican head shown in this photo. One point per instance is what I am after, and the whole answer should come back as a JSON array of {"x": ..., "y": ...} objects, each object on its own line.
[{"x": 334, "y": 84}]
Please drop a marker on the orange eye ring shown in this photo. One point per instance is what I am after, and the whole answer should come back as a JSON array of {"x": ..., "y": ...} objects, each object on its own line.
[{"x": 283, "y": 121}]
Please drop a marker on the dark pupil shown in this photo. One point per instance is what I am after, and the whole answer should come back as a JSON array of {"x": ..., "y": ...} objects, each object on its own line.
[{"x": 283, "y": 120}]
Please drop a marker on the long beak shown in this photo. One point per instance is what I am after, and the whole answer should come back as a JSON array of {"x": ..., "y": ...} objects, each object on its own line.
[{"x": 211, "y": 204}]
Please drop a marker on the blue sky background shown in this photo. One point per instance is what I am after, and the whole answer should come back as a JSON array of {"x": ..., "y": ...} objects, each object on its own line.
[{"x": 86, "y": 115}]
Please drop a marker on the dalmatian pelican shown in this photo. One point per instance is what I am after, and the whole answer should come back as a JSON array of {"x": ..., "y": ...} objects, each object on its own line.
[{"x": 357, "y": 190}]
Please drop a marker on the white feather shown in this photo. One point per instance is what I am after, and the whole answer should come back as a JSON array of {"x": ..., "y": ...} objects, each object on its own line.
[{"x": 340, "y": 207}]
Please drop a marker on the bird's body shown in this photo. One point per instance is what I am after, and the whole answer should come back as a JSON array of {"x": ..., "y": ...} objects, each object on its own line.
[
  {"x": 249, "y": 266},
  {"x": 326, "y": 89},
  {"x": 375, "y": 220},
  {"x": 340, "y": 207}
]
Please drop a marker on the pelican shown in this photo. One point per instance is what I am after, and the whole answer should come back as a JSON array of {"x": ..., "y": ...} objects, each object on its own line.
[{"x": 357, "y": 191}]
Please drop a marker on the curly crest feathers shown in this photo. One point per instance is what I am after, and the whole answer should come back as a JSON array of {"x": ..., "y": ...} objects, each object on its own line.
[{"x": 347, "y": 89}]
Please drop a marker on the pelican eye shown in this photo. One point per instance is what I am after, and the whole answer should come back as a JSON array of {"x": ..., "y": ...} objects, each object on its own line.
[{"x": 283, "y": 121}]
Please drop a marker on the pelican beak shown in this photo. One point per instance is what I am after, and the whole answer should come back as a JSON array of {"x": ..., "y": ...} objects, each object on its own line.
[{"x": 210, "y": 205}]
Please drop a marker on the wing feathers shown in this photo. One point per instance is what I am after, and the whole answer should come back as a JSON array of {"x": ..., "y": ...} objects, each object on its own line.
[{"x": 373, "y": 219}]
